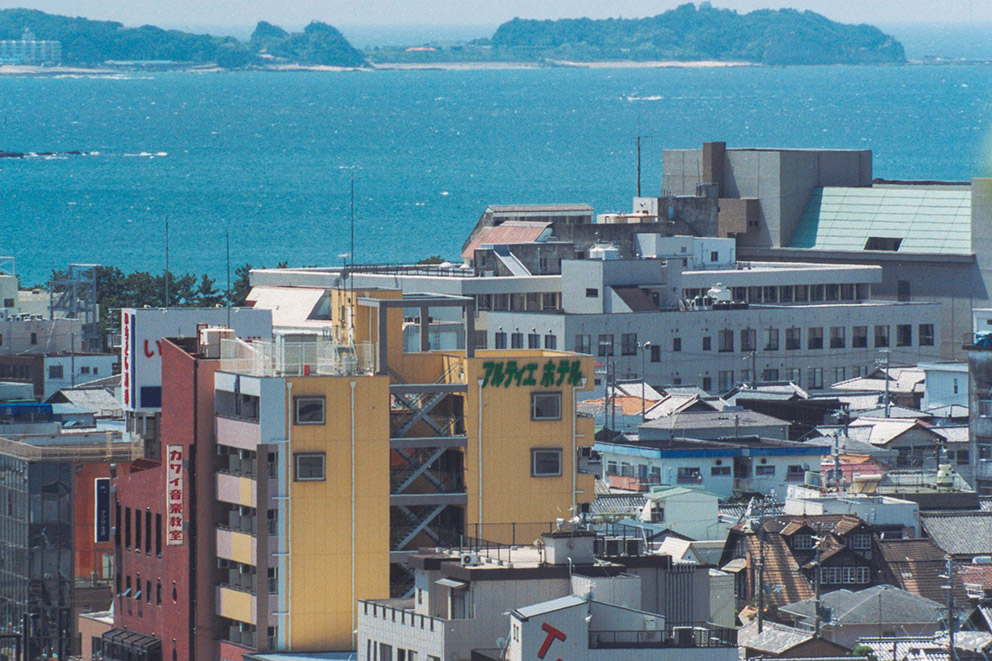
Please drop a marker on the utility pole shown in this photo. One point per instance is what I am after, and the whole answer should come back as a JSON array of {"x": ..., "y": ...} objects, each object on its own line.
[
  {"x": 644, "y": 381},
  {"x": 638, "y": 166},
  {"x": 761, "y": 569},
  {"x": 951, "y": 651},
  {"x": 816, "y": 587},
  {"x": 887, "y": 363},
  {"x": 166, "y": 263}
]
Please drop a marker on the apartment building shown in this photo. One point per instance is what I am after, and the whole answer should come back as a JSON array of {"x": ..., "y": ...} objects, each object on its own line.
[{"x": 304, "y": 474}]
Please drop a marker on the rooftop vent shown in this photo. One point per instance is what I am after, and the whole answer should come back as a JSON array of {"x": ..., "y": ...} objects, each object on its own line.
[{"x": 882, "y": 243}]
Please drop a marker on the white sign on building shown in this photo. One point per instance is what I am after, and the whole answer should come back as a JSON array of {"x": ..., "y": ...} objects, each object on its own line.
[
  {"x": 174, "y": 495},
  {"x": 142, "y": 331}
]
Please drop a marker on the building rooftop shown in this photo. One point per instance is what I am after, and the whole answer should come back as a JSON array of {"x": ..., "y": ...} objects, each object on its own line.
[
  {"x": 916, "y": 219},
  {"x": 879, "y": 604},
  {"x": 960, "y": 533},
  {"x": 728, "y": 419}
]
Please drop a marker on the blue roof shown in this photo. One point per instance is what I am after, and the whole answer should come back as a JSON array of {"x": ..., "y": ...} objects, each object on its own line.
[
  {"x": 923, "y": 219},
  {"x": 799, "y": 449}
]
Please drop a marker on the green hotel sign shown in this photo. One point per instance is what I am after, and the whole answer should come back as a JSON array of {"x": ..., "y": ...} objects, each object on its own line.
[{"x": 548, "y": 374}]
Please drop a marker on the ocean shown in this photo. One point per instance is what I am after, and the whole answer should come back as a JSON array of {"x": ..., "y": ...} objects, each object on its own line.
[{"x": 268, "y": 157}]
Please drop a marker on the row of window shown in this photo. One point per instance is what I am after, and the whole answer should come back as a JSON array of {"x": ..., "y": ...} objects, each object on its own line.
[
  {"x": 534, "y": 340},
  {"x": 694, "y": 474},
  {"x": 838, "y": 575},
  {"x": 814, "y": 377},
  {"x": 58, "y": 371},
  {"x": 793, "y": 293},
  {"x": 33, "y": 339},
  {"x": 124, "y": 526},
  {"x": 605, "y": 346},
  {"x": 138, "y": 592},
  {"x": 530, "y": 301}
]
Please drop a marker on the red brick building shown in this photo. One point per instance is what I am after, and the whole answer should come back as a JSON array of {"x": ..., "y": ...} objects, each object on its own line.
[{"x": 164, "y": 604}]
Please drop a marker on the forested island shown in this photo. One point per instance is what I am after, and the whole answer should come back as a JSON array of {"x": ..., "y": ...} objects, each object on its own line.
[
  {"x": 684, "y": 34},
  {"x": 90, "y": 43}
]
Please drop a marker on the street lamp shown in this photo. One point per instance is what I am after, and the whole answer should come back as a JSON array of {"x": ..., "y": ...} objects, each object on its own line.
[{"x": 643, "y": 347}]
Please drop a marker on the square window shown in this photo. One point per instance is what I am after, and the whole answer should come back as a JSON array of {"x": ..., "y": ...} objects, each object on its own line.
[
  {"x": 55, "y": 371},
  {"x": 545, "y": 406},
  {"x": 499, "y": 340},
  {"x": 837, "y": 339},
  {"x": 926, "y": 335},
  {"x": 748, "y": 339},
  {"x": 592, "y": 292},
  {"x": 707, "y": 343},
  {"x": 583, "y": 344},
  {"x": 815, "y": 336},
  {"x": 859, "y": 339},
  {"x": 545, "y": 462},
  {"x": 550, "y": 342},
  {"x": 628, "y": 344},
  {"x": 308, "y": 466},
  {"x": 771, "y": 339},
  {"x": 516, "y": 340},
  {"x": 792, "y": 341},
  {"x": 676, "y": 346},
  {"x": 656, "y": 353},
  {"x": 904, "y": 335},
  {"x": 606, "y": 345},
  {"x": 533, "y": 341},
  {"x": 881, "y": 336},
  {"x": 726, "y": 340},
  {"x": 308, "y": 410}
]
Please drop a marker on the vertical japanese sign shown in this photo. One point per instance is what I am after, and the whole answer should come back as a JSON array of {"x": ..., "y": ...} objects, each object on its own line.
[
  {"x": 174, "y": 495},
  {"x": 101, "y": 509},
  {"x": 127, "y": 353}
]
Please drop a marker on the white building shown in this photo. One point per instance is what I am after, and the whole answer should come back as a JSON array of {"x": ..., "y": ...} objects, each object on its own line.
[
  {"x": 945, "y": 384},
  {"x": 484, "y": 603},
  {"x": 884, "y": 512},
  {"x": 691, "y": 512}
]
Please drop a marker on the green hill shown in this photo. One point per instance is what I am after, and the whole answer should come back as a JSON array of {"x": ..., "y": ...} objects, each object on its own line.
[
  {"x": 86, "y": 42},
  {"x": 689, "y": 33}
]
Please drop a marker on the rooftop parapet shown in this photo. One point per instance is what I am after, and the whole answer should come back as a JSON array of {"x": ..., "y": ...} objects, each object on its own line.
[{"x": 316, "y": 358}]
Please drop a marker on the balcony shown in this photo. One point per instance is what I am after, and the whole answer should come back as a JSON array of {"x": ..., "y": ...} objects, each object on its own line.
[
  {"x": 238, "y": 546},
  {"x": 684, "y": 636},
  {"x": 236, "y": 604},
  {"x": 237, "y": 489},
  {"x": 243, "y": 433},
  {"x": 319, "y": 357}
]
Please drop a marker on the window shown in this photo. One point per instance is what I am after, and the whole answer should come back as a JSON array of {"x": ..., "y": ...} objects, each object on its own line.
[
  {"x": 838, "y": 375},
  {"x": 985, "y": 407},
  {"x": 771, "y": 339},
  {"x": 545, "y": 462},
  {"x": 795, "y": 375},
  {"x": 533, "y": 341},
  {"x": 689, "y": 475},
  {"x": 158, "y": 535},
  {"x": 84, "y": 369},
  {"x": 714, "y": 256},
  {"x": 720, "y": 471},
  {"x": 676, "y": 344},
  {"x": 499, "y": 340},
  {"x": 832, "y": 292},
  {"x": 34, "y": 338},
  {"x": 861, "y": 542},
  {"x": 54, "y": 371},
  {"x": 605, "y": 345},
  {"x": 516, "y": 340},
  {"x": 815, "y": 378},
  {"x": 549, "y": 300},
  {"x": 583, "y": 344},
  {"x": 771, "y": 294},
  {"x": 545, "y": 406},
  {"x": 656, "y": 353},
  {"x": 707, "y": 383},
  {"x": 882, "y": 243},
  {"x": 792, "y": 341},
  {"x": 925, "y": 335},
  {"x": 158, "y": 593},
  {"x": 881, "y": 336},
  {"x": 550, "y": 342},
  {"x": 859, "y": 337},
  {"x": 795, "y": 473},
  {"x": 592, "y": 292},
  {"x": 628, "y": 344},
  {"x": 308, "y": 410},
  {"x": 802, "y": 542},
  {"x": 837, "y": 339},
  {"x": 764, "y": 471},
  {"x": 725, "y": 379},
  {"x": 903, "y": 294},
  {"x": 770, "y": 374},
  {"x": 127, "y": 527},
  {"x": 815, "y": 336},
  {"x": 309, "y": 466},
  {"x": 747, "y": 339},
  {"x": 707, "y": 343},
  {"x": 137, "y": 530},
  {"x": 904, "y": 335},
  {"x": 725, "y": 341}
]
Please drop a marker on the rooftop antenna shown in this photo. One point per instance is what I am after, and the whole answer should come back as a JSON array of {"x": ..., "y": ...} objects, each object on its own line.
[
  {"x": 227, "y": 245},
  {"x": 352, "y": 219},
  {"x": 166, "y": 262}
]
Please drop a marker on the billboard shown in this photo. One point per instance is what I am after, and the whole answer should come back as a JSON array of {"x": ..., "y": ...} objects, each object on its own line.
[
  {"x": 142, "y": 331},
  {"x": 174, "y": 494},
  {"x": 101, "y": 506}
]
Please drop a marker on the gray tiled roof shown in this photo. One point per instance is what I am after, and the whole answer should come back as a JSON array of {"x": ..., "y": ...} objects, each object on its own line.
[
  {"x": 960, "y": 533},
  {"x": 881, "y": 604}
]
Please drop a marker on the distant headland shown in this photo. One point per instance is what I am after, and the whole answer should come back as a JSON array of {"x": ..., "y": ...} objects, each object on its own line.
[{"x": 685, "y": 36}]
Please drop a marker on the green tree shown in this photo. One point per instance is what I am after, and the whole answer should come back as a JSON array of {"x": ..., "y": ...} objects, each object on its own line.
[
  {"x": 207, "y": 295},
  {"x": 241, "y": 286}
]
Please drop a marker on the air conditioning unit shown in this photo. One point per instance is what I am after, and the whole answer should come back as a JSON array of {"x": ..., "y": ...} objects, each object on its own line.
[
  {"x": 470, "y": 560},
  {"x": 650, "y": 624},
  {"x": 684, "y": 636},
  {"x": 613, "y": 546}
]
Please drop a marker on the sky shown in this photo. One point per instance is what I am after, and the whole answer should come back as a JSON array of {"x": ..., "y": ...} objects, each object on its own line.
[{"x": 236, "y": 15}]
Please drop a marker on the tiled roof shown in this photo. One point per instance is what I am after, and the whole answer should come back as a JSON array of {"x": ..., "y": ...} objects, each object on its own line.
[
  {"x": 512, "y": 231},
  {"x": 534, "y": 208},
  {"x": 774, "y": 638},
  {"x": 880, "y": 604},
  {"x": 915, "y": 565},
  {"x": 927, "y": 220},
  {"x": 617, "y": 504},
  {"x": 960, "y": 533},
  {"x": 784, "y": 582}
]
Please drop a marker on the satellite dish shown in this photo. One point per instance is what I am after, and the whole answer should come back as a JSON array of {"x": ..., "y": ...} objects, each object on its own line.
[{"x": 501, "y": 642}]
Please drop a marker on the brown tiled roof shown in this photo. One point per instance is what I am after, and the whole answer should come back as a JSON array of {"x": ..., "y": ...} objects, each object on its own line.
[
  {"x": 916, "y": 565},
  {"x": 512, "y": 231},
  {"x": 784, "y": 582}
]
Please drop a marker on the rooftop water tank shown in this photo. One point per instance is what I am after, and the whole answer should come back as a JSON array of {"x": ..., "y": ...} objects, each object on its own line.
[{"x": 720, "y": 294}]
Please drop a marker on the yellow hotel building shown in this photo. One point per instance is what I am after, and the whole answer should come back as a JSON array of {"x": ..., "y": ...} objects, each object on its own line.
[{"x": 341, "y": 457}]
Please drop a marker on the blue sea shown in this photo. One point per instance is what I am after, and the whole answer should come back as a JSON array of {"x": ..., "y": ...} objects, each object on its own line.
[{"x": 268, "y": 157}]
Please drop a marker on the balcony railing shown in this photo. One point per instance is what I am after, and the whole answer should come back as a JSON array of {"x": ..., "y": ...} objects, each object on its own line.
[
  {"x": 685, "y": 636},
  {"x": 319, "y": 357}
]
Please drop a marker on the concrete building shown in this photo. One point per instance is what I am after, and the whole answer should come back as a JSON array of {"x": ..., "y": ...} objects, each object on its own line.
[
  {"x": 693, "y": 513},
  {"x": 815, "y": 205},
  {"x": 50, "y": 372},
  {"x": 945, "y": 384},
  {"x": 312, "y": 470},
  {"x": 55, "y": 533},
  {"x": 494, "y": 603},
  {"x": 980, "y": 414},
  {"x": 29, "y": 50},
  {"x": 893, "y": 516},
  {"x": 725, "y": 467}
]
